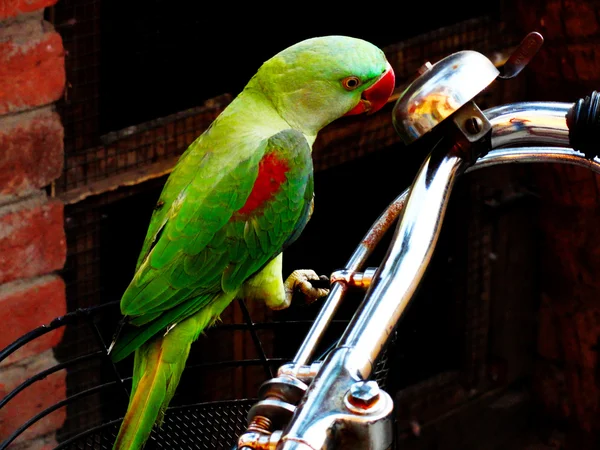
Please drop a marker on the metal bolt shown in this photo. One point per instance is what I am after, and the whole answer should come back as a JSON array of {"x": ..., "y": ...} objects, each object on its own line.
[
  {"x": 474, "y": 125},
  {"x": 363, "y": 394},
  {"x": 260, "y": 424}
]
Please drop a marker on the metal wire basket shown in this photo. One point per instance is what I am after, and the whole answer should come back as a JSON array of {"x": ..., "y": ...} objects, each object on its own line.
[
  {"x": 201, "y": 426},
  {"x": 188, "y": 424}
]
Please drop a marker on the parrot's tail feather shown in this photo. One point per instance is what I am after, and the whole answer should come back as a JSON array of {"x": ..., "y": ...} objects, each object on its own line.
[
  {"x": 132, "y": 337},
  {"x": 154, "y": 382},
  {"x": 157, "y": 369},
  {"x": 147, "y": 397}
]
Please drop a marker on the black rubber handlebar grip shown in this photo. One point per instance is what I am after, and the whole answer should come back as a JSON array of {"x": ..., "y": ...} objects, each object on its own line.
[{"x": 583, "y": 120}]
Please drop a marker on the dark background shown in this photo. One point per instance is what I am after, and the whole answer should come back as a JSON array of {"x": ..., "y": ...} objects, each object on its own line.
[{"x": 158, "y": 59}]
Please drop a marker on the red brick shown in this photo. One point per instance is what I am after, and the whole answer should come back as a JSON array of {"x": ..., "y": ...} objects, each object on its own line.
[
  {"x": 33, "y": 399},
  {"x": 12, "y": 8},
  {"x": 32, "y": 71},
  {"x": 32, "y": 150},
  {"x": 26, "y": 305},
  {"x": 32, "y": 238}
]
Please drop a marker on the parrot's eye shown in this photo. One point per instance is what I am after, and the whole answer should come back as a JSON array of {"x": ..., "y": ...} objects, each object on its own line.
[{"x": 351, "y": 83}]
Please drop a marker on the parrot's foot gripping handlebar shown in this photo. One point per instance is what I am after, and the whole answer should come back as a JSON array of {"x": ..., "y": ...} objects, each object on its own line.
[{"x": 332, "y": 403}]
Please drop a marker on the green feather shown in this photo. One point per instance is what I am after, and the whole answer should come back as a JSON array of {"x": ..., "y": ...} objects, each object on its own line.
[{"x": 201, "y": 249}]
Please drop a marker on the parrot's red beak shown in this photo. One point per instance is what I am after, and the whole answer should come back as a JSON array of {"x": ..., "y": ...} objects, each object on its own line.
[{"x": 375, "y": 98}]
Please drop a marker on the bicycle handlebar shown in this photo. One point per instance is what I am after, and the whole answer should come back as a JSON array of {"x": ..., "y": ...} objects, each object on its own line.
[{"x": 336, "y": 394}]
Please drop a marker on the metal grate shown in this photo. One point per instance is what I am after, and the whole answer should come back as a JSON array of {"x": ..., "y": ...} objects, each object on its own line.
[
  {"x": 205, "y": 426},
  {"x": 137, "y": 151},
  {"x": 78, "y": 23}
]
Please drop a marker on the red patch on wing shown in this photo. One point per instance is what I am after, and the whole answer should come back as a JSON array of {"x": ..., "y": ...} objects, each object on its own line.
[{"x": 271, "y": 174}]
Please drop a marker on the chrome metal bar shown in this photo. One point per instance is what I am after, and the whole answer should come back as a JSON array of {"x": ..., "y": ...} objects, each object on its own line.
[
  {"x": 404, "y": 264},
  {"x": 521, "y": 155},
  {"x": 513, "y": 124},
  {"x": 354, "y": 264},
  {"x": 391, "y": 289},
  {"x": 525, "y": 123},
  {"x": 408, "y": 256},
  {"x": 314, "y": 423},
  {"x": 515, "y": 155},
  {"x": 332, "y": 380}
]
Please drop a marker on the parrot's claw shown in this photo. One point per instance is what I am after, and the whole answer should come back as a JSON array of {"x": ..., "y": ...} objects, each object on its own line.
[{"x": 300, "y": 280}]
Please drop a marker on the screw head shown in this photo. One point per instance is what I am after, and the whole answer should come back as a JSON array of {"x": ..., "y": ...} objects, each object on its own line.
[
  {"x": 474, "y": 125},
  {"x": 363, "y": 394}
]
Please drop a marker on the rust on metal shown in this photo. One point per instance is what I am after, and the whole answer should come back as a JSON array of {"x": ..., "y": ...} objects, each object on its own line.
[{"x": 383, "y": 224}]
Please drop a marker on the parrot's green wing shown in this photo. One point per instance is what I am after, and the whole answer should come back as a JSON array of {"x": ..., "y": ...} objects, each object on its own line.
[{"x": 215, "y": 236}]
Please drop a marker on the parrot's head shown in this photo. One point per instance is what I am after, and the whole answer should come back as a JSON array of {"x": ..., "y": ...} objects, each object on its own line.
[{"x": 321, "y": 79}]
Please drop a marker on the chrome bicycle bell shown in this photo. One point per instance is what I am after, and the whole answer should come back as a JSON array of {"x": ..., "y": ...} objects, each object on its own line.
[{"x": 444, "y": 87}]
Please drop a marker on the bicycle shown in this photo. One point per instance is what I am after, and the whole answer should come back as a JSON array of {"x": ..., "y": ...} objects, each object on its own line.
[{"x": 333, "y": 402}]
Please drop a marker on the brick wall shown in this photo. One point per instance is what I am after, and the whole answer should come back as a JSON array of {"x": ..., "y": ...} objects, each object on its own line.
[{"x": 32, "y": 239}]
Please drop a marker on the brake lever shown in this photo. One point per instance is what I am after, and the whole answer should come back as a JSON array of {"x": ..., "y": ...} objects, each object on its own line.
[{"x": 521, "y": 56}]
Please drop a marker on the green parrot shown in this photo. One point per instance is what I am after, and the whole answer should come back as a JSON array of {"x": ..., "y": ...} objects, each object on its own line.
[{"x": 238, "y": 196}]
